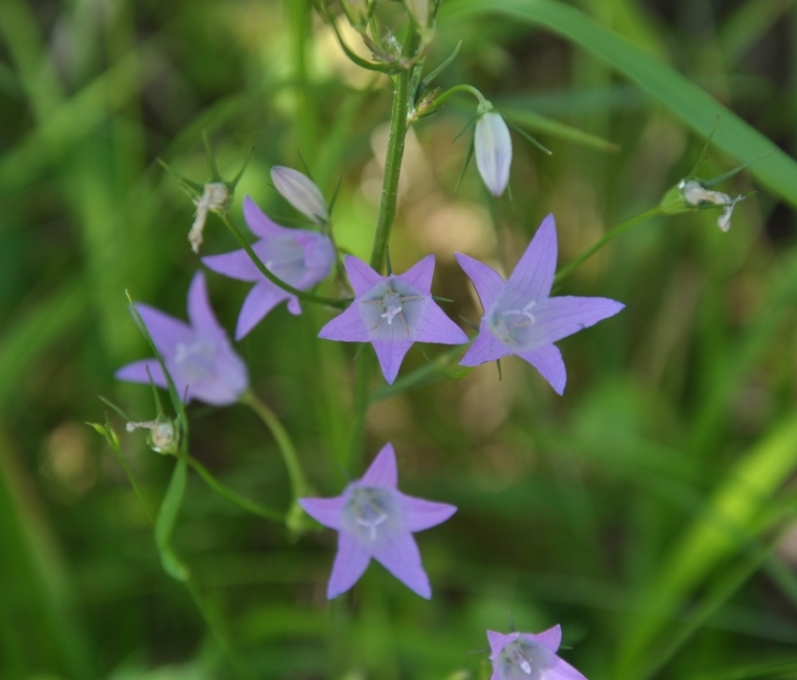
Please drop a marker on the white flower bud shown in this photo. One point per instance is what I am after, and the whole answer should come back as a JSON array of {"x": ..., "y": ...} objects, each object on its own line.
[
  {"x": 214, "y": 198},
  {"x": 493, "y": 147},
  {"x": 301, "y": 192}
]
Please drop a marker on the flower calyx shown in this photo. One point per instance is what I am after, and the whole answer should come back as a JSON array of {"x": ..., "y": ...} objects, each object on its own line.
[{"x": 162, "y": 436}]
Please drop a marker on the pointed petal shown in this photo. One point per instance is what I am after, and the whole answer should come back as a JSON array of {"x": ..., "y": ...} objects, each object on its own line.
[
  {"x": 350, "y": 562},
  {"x": 561, "y": 670},
  {"x": 398, "y": 553},
  {"x": 486, "y": 347},
  {"x": 294, "y": 307},
  {"x": 548, "y": 361},
  {"x": 361, "y": 277},
  {"x": 419, "y": 276},
  {"x": 383, "y": 471},
  {"x": 236, "y": 264},
  {"x": 260, "y": 301},
  {"x": 497, "y": 642},
  {"x": 258, "y": 222},
  {"x": 559, "y": 317},
  {"x": 230, "y": 377},
  {"x": 487, "y": 282},
  {"x": 347, "y": 326},
  {"x": 327, "y": 511},
  {"x": 200, "y": 313},
  {"x": 166, "y": 331},
  {"x": 533, "y": 275},
  {"x": 550, "y": 638},
  {"x": 137, "y": 372},
  {"x": 420, "y": 514},
  {"x": 435, "y": 326},
  {"x": 390, "y": 354}
]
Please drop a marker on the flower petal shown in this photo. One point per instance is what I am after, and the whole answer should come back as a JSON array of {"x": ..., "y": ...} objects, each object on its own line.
[
  {"x": 382, "y": 472},
  {"x": 486, "y": 347},
  {"x": 419, "y": 276},
  {"x": 548, "y": 361},
  {"x": 258, "y": 222},
  {"x": 533, "y": 276},
  {"x": 498, "y": 641},
  {"x": 487, "y": 282},
  {"x": 361, "y": 277},
  {"x": 263, "y": 297},
  {"x": 390, "y": 354},
  {"x": 435, "y": 326},
  {"x": 200, "y": 313},
  {"x": 348, "y": 326},
  {"x": 493, "y": 147},
  {"x": 420, "y": 514},
  {"x": 550, "y": 638},
  {"x": 398, "y": 553},
  {"x": 166, "y": 331},
  {"x": 558, "y": 317},
  {"x": 561, "y": 670},
  {"x": 327, "y": 511},
  {"x": 236, "y": 264},
  {"x": 137, "y": 372},
  {"x": 350, "y": 562}
]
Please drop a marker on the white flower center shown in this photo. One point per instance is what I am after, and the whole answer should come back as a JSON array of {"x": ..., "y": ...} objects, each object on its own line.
[
  {"x": 390, "y": 304},
  {"x": 511, "y": 326},
  {"x": 370, "y": 512}
]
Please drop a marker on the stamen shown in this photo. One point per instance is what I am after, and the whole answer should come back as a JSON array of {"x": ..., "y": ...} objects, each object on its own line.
[
  {"x": 372, "y": 524},
  {"x": 391, "y": 312},
  {"x": 525, "y": 666}
]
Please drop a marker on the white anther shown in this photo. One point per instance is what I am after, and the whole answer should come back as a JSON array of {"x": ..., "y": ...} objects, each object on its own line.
[{"x": 525, "y": 666}]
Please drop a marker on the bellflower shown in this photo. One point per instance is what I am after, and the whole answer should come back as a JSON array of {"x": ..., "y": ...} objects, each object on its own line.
[
  {"x": 374, "y": 519},
  {"x": 493, "y": 148},
  {"x": 301, "y": 192},
  {"x": 392, "y": 312},
  {"x": 299, "y": 257},
  {"x": 529, "y": 656},
  {"x": 198, "y": 356},
  {"x": 520, "y": 316}
]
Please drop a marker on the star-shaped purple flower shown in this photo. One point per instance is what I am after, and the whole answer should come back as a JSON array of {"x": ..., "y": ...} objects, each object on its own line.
[
  {"x": 521, "y": 318},
  {"x": 299, "y": 257},
  {"x": 198, "y": 356},
  {"x": 392, "y": 312},
  {"x": 529, "y": 656},
  {"x": 374, "y": 519}
]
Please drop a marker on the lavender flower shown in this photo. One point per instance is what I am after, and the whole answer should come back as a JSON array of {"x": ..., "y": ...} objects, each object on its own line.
[
  {"x": 529, "y": 656},
  {"x": 493, "y": 147},
  {"x": 392, "y": 312},
  {"x": 299, "y": 257},
  {"x": 198, "y": 356},
  {"x": 374, "y": 519},
  {"x": 521, "y": 318}
]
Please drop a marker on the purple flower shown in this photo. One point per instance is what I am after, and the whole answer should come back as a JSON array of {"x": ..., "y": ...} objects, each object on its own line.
[
  {"x": 299, "y": 257},
  {"x": 392, "y": 312},
  {"x": 529, "y": 656},
  {"x": 198, "y": 356},
  {"x": 521, "y": 318},
  {"x": 374, "y": 519}
]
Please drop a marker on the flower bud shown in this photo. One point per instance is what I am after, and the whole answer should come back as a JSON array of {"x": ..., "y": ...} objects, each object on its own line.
[
  {"x": 162, "y": 437},
  {"x": 493, "y": 147},
  {"x": 301, "y": 192},
  {"x": 214, "y": 199},
  {"x": 691, "y": 194}
]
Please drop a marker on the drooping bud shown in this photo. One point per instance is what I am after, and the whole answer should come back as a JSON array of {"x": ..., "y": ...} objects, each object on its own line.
[
  {"x": 419, "y": 11},
  {"x": 301, "y": 192},
  {"x": 214, "y": 199},
  {"x": 493, "y": 148},
  {"x": 162, "y": 437}
]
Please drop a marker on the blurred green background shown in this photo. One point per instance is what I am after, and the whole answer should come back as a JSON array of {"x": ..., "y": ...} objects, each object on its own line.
[{"x": 650, "y": 510}]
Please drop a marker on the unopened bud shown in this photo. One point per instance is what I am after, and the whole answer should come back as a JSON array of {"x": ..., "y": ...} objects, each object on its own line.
[
  {"x": 493, "y": 147},
  {"x": 214, "y": 199},
  {"x": 301, "y": 192},
  {"x": 162, "y": 437}
]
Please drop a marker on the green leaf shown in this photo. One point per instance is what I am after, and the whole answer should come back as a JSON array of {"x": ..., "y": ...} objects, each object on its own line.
[
  {"x": 538, "y": 123},
  {"x": 687, "y": 101},
  {"x": 164, "y": 524}
]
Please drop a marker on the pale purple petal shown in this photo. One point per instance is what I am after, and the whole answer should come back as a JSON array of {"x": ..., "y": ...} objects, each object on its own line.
[
  {"x": 390, "y": 354},
  {"x": 486, "y": 347},
  {"x": 382, "y": 472},
  {"x": 420, "y": 514},
  {"x": 263, "y": 297},
  {"x": 493, "y": 150},
  {"x": 348, "y": 326},
  {"x": 561, "y": 670},
  {"x": 548, "y": 361},
  {"x": 231, "y": 377},
  {"x": 487, "y": 282},
  {"x": 419, "y": 276},
  {"x": 200, "y": 313},
  {"x": 166, "y": 331},
  {"x": 327, "y": 511},
  {"x": 236, "y": 265},
  {"x": 558, "y": 317},
  {"x": 550, "y": 638},
  {"x": 137, "y": 372},
  {"x": 533, "y": 275},
  {"x": 398, "y": 553},
  {"x": 361, "y": 277},
  {"x": 498, "y": 641},
  {"x": 294, "y": 306},
  {"x": 435, "y": 326},
  {"x": 258, "y": 222},
  {"x": 350, "y": 562}
]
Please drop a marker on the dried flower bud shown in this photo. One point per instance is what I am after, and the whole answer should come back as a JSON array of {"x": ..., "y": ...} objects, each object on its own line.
[
  {"x": 493, "y": 147},
  {"x": 691, "y": 194},
  {"x": 214, "y": 199},
  {"x": 162, "y": 437},
  {"x": 301, "y": 192}
]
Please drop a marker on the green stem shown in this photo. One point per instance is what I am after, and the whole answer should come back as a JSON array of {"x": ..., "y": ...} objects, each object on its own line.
[
  {"x": 302, "y": 295},
  {"x": 362, "y": 378},
  {"x": 608, "y": 236},
  {"x": 299, "y": 484},
  {"x": 395, "y": 153},
  {"x": 454, "y": 90}
]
